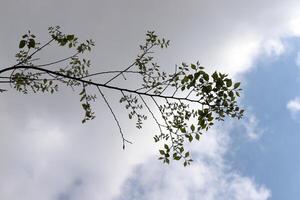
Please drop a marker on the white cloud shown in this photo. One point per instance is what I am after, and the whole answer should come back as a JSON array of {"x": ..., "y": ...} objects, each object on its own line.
[
  {"x": 294, "y": 106},
  {"x": 274, "y": 47},
  {"x": 49, "y": 160},
  {"x": 209, "y": 177}
]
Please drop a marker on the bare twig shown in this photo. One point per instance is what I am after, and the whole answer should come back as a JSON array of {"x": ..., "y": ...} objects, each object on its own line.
[
  {"x": 153, "y": 116},
  {"x": 112, "y": 112},
  {"x": 58, "y": 61},
  {"x": 134, "y": 63}
]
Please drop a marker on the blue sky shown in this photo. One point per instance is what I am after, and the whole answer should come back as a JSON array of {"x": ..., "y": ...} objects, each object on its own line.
[{"x": 273, "y": 159}]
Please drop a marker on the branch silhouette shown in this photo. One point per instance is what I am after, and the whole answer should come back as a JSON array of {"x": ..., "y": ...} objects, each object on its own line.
[{"x": 197, "y": 99}]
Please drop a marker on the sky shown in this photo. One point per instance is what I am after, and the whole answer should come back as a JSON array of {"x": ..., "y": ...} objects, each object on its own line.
[{"x": 46, "y": 153}]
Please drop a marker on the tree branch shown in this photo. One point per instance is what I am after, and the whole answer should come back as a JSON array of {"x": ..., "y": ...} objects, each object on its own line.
[{"x": 96, "y": 84}]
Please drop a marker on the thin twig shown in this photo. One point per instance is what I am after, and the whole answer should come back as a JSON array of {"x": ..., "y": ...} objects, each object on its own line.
[
  {"x": 110, "y": 72},
  {"x": 153, "y": 116},
  {"x": 168, "y": 127},
  {"x": 116, "y": 120},
  {"x": 189, "y": 93},
  {"x": 126, "y": 69},
  {"x": 175, "y": 91},
  {"x": 58, "y": 61},
  {"x": 120, "y": 73}
]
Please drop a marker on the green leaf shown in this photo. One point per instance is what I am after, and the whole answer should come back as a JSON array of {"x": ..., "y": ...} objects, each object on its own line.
[
  {"x": 192, "y": 127},
  {"x": 31, "y": 43},
  {"x": 236, "y": 85},
  {"x": 196, "y": 75},
  {"x": 187, "y": 154},
  {"x": 22, "y": 44},
  {"x": 215, "y": 75},
  {"x": 167, "y": 161},
  {"x": 231, "y": 94},
  {"x": 229, "y": 82},
  {"x": 162, "y": 152},
  {"x": 197, "y": 136},
  {"x": 206, "y": 77},
  {"x": 182, "y": 129},
  {"x": 193, "y": 66},
  {"x": 166, "y": 147},
  {"x": 176, "y": 158},
  {"x": 70, "y": 37},
  {"x": 190, "y": 138},
  {"x": 190, "y": 76}
]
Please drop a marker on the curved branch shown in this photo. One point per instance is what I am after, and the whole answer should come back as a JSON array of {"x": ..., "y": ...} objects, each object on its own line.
[{"x": 58, "y": 61}]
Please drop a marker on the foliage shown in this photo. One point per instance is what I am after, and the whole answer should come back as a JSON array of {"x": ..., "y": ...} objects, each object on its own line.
[{"x": 188, "y": 101}]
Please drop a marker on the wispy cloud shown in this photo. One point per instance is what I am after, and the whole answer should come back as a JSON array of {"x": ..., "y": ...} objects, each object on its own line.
[{"x": 253, "y": 131}]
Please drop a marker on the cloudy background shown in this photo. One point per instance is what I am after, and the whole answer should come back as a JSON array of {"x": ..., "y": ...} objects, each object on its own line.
[{"x": 46, "y": 153}]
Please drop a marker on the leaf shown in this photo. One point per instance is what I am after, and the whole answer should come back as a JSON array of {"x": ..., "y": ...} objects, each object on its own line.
[
  {"x": 162, "y": 152},
  {"x": 236, "y": 85},
  {"x": 166, "y": 146},
  {"x": 31, "y": 43},
  {"x": 192, "y": 127},
  {"x": 206, "y": 77},
  {"x": 196, "y": 75},
  {"x": 182, "y": 129},
  {"x": 22, "y": 44},
  {"x": 215, "y": 75},
  {"x": 187, "y": 154},
  {"x": 231, "y": 94},
  {"x": 190, "y": 138},
  {"x": 176, "y": 158},
  {"x": 70, "y": 37},
  {"x": 167, "y": 161},
  {"x": 229, "y": 82},
  {"x": 197, "y": 137},
  {"x": 193, "y": 66}
]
